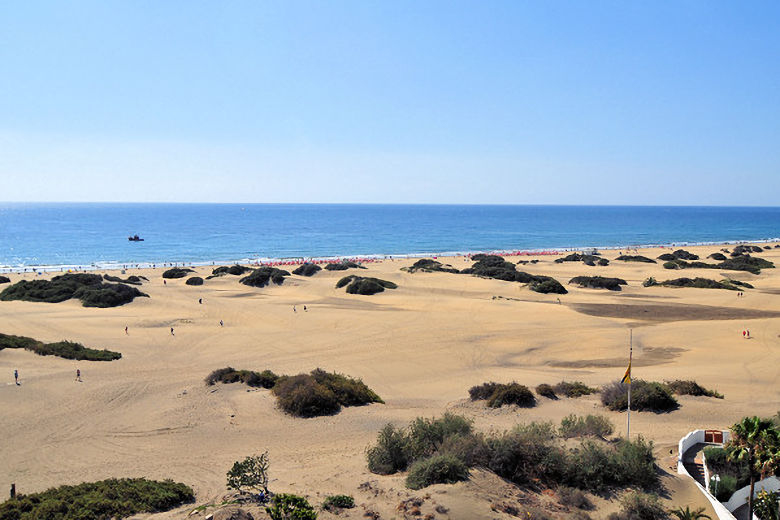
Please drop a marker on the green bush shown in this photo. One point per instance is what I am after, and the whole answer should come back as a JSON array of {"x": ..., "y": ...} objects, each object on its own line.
[
  {"x": 546, "y": 390},
  {"x": 250, "y": 474},
  {"x": 492, "y": 266},
  {"x": 498, "y": 394},
  {"x": 5, "y": 279},
  {"x": 348, "y": 391},
  {"x": 285, "y": 506},
  {"x": 636, "y": 258},
  {"x": 526, "y": 454},
  {"x": 586, "y": 259},
  {"x": 89, "y": 288},
  {"x": 437, "y": 469},
  {"x": 750, "y": 264},
  {"x": 264, "y": 379},
  {"x": 63, "y": 349},
  {"x": 343, "y": 266},
  {"x": 390, "y": 454},
  {"x": 645, "y": 396},
  {"x": 725, "y": 488},
  {"x": 428, "y": 265},
  {"x": 106, "y": 499},
  {"x": 336, "y": 502},
  {"x": 302, "y": 396},
  {"x": 598, "y": 282},
  {"x": 681, "y": 387},
  {"x": 698, "y": 283},
  {"x": 483, "y": 391},
  {"x": 719, "y": 463},
  {"x": 307, "y": 270},
  {"x": 639, "y": 506},
  {"x": 177, "y": 272},
  {"x": 132, "y": 279},
  {"x": 547, "y": 285},
  {"x": 718, "y": 256},
  {"x": 194, "y": 280},
  {"x": 364, "y": 286},
  {"x": 426, "y": 436},
  {"x": 262, "y": 276},
  {"x": 236, "y": 270},
  {"x": 574, "y": 389},
  {"x": 590, "y": 425}
]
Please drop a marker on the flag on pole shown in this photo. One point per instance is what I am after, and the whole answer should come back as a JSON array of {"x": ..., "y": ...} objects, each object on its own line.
[{"x": 627, "y": 377}]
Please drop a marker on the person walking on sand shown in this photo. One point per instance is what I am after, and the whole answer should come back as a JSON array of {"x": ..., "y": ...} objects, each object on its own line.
[
  {"x": 172, "y": 334},
  {"x": 304, "y": 309},
  {"x": 16, "y": 377},
  {"x": 743, "y": 334},
  {"x": 78, "y": 375},
  {"x": 126, "y": 330},
  {"x": 748, "y": 333},
  {"x": 294, "y": 309},
  {"x": 221, "y": 323},
  {"x": 200, "y": 301}
]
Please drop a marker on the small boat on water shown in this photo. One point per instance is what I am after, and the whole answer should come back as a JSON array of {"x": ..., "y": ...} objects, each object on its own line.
[{"x": 135, "y": 238}]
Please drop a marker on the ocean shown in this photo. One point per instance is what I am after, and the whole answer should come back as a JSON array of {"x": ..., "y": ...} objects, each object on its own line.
[{"x": 68, "y": 235}]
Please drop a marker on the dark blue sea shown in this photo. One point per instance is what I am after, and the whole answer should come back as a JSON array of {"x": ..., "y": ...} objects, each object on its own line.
[{"x": 64, "y": 234}]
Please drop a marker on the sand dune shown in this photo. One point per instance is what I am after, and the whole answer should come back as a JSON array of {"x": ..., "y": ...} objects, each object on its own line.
[{"x": 420, "y": 347}]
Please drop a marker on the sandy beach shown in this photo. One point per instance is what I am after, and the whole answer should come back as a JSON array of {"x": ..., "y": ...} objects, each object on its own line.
[{"x": 420, "y": 347}]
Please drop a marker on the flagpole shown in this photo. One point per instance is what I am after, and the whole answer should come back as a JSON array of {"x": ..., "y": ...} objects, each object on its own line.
[{"x": 630, "y": 355}]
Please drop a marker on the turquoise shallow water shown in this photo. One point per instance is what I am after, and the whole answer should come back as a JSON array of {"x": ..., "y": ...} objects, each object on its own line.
[{"x": 96, "y": 234}]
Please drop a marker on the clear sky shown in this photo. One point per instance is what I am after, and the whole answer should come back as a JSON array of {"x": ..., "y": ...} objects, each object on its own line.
[{"x": 508, "y": 102}]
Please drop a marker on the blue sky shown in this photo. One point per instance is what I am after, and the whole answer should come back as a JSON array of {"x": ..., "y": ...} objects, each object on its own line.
[{"x": 507, "y": 102}]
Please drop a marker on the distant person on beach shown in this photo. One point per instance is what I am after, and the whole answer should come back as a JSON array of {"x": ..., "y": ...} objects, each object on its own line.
[
  {"x": 165, "y": 282},
  {"x": 221, "y": 323},
  {"x": 200, "y": 301},
  {"x": 172, "y": 334},
  {"x": 304, "y": 308},
  {"x": 744, "y": 333},
  {"x": 126, "y": 330},
  {"x": 78, "y": 375},
  {"x": 294, "y": 310},
  {"x": 16, "y": 377},
  {"x": 748, "y": 334}
]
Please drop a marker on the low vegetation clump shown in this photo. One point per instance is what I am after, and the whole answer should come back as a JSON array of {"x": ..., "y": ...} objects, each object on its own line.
[
  {"x": 546, "y": 390},
  {"x": 718, "y": 257},
  {"x": 636, "y": 258},
  {"x": 364, "y": 285},
  {"x": 262, "y": 276},
  {"x": 681, "y": 387},
  {"x": 194, "y": 280},
  {"x": 696, "y": 283},
  {"x": 680, "y": 254},
  {"x": 499, "y": 394},
  {"x": 573, "y": 497},
  {"x": 336, "y": 502},
  {"x": 645, "y": 396},
  {"x": 528, "y": 455},
  {"x": 640, "y": 506},
  {"x": 265, "y": 379},
  {"x": 598, "y": 282},
  {"x": 177, "y": 272},
  {"x": 588, "y": 426},
  {"x": 750, "y": 264},
  {"x": 343, "y": 266},
  {"x": 303, "y": 395},
  {"x": 585, "y": 259},
  {"x": 321, "y": 393},
  {"x": 437, "y": 469},
  {"x": 746, "y": 250},
  {"x": 132, "y": 279},
  {"x": 428, "y": 265},
  {"x": 236, "y": 270},
  {"x": 5, "y": 279},
  {"x": 112, "y": 498},
  {"x": 574, "y": 389},
  {"x": 89, "y": 288},
  {"x": 492, "y": 266},
  {"x": 307, "y": 270},
  {"x": 285, "y": 506},
  {"x": 63, "y": 349}
]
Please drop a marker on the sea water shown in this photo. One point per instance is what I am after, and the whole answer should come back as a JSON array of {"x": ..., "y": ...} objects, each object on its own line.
[{"x": 57, "y": 235}]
